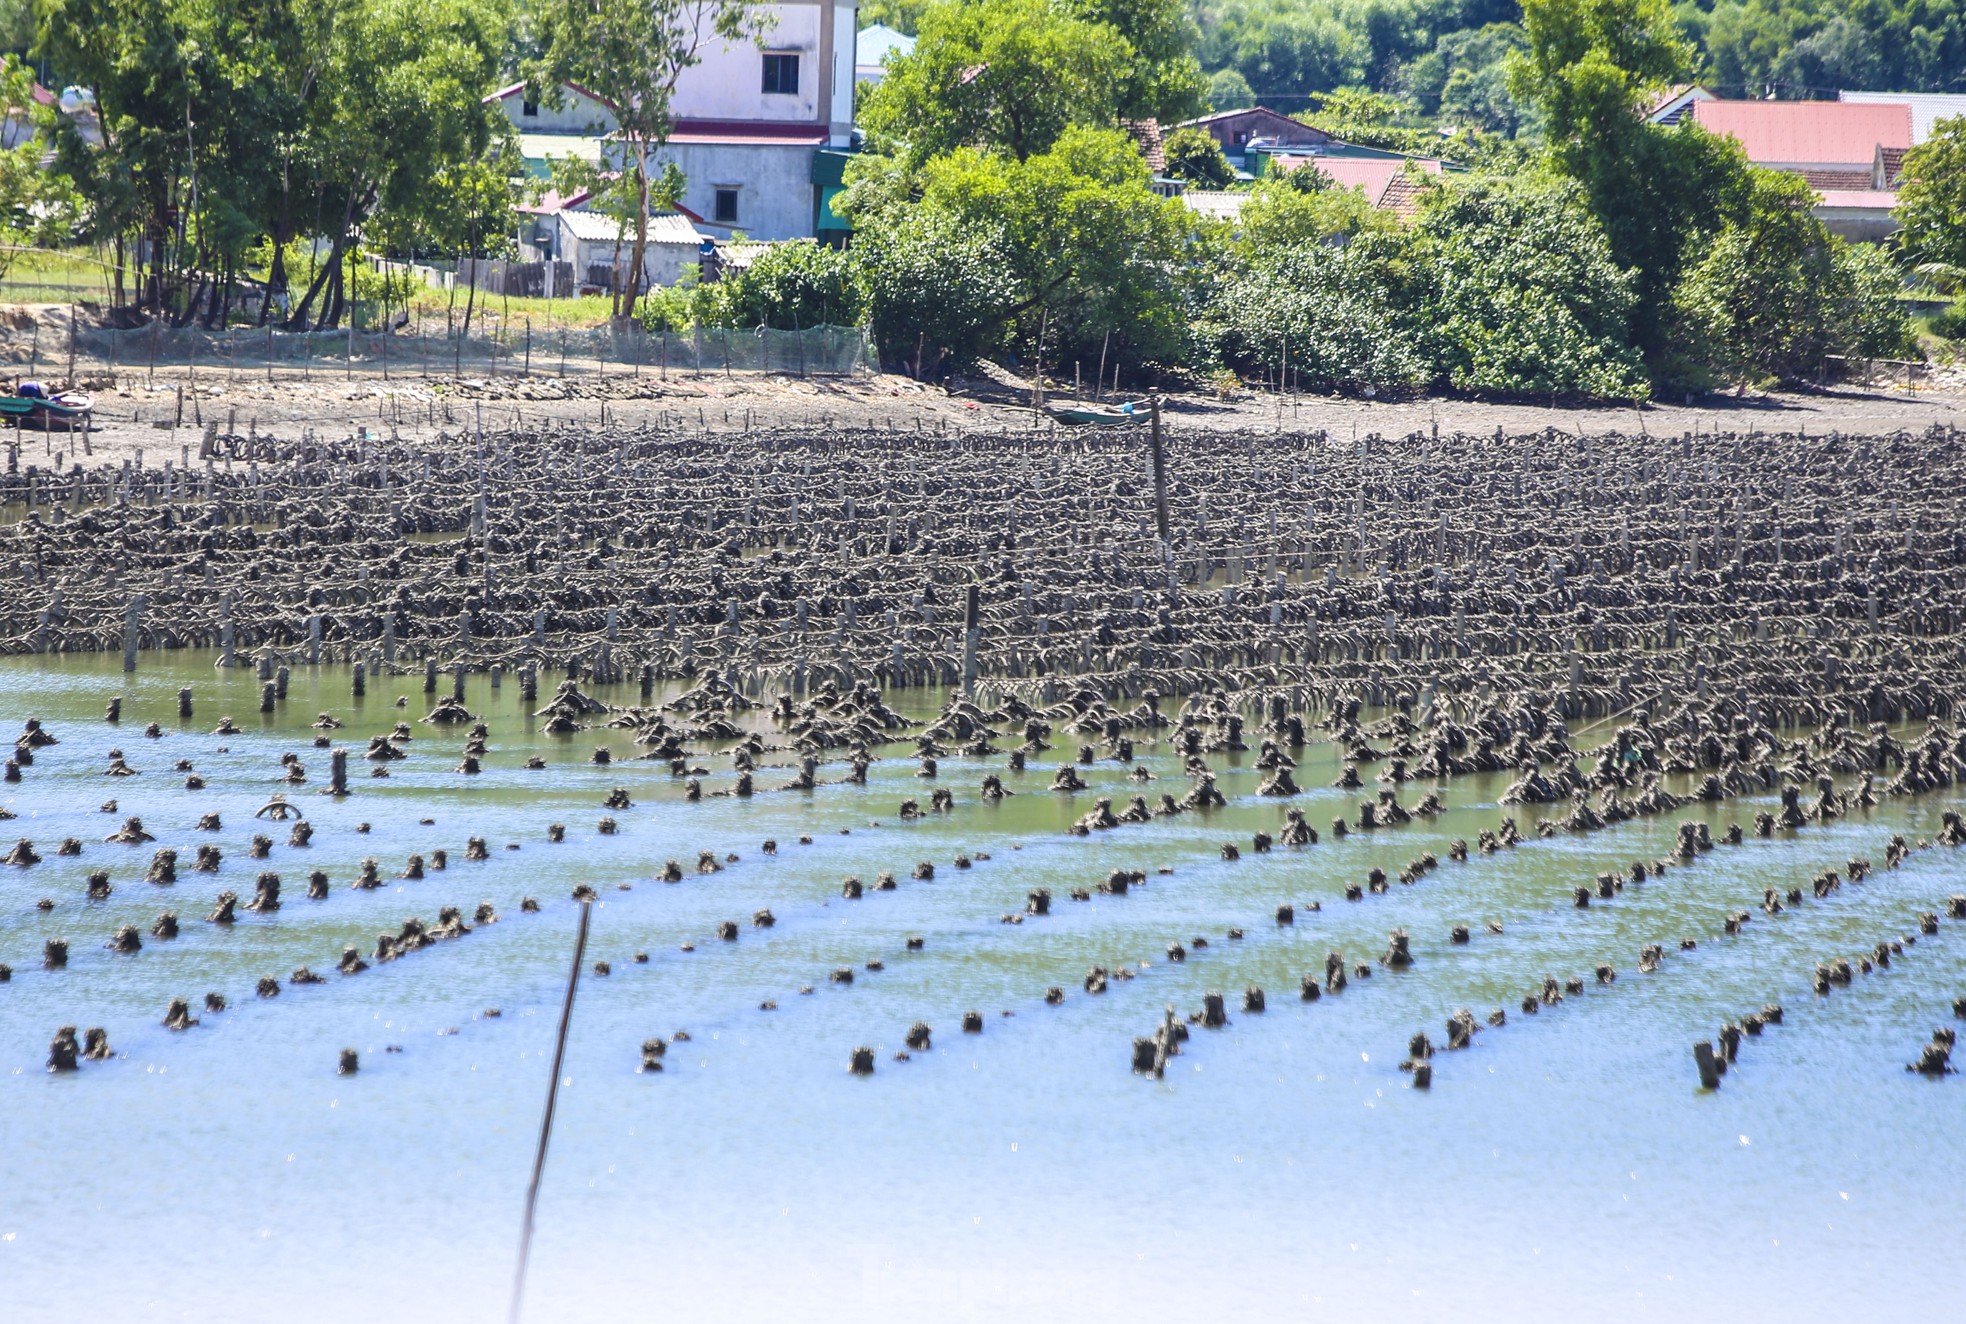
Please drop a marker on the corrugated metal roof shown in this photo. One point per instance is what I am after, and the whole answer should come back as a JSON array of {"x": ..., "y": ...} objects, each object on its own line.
[
  {"x": 664, "y": 228},
  {"x": 1820, "y": 133},
  {"x": 1220, "y": 205},
  {"x": 1926, "y": 107}
]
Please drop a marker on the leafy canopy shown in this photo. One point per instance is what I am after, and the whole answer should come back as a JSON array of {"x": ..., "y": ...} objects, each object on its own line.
[
  {"x": 1007, "y": 75},
  {"x": 1932, "y": 200},
  {"x": 1196, "y": 157}
]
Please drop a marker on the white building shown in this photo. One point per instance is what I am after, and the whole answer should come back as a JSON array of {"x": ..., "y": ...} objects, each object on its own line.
[
  {"x": 753, "y": 119},
  {"x": 1927, "y": 108},
  {"x": 759, "y": 129},
  {"x": 874, "y": 46}
]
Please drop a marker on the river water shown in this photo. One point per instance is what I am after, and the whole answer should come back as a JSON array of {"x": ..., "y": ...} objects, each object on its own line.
[{"x": 1284, "y": 1169}]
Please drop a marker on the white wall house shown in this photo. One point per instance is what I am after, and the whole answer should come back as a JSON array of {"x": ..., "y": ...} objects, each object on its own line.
[
  {"x": 752, "y": 119},
  {"x": 578, "y": 127},
  {"x": 758, "y": 128},
  {"x": 874, "y": 47}
]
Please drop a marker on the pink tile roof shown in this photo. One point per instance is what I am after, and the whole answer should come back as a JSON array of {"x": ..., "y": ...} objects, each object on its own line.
[
  {"x": 1369, "y": 173},
  {"x": 1808, "y": 132},
  {"x": 1871, "y": 199}
]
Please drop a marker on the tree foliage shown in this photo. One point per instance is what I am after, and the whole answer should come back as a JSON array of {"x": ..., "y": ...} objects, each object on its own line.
[
  {"x": 1007, "y": 75},
  {"x": 1196, "y": 157},
  {"x": 1160, "y": 77},
  {"x": 1302, "y": 206},
  {"x": 1774, "y": 293},
  {"x": 1932, "y": 198},
  {"x": 1334, "y": 317},
  {"x": 939, "y": 289},
  {"x": 228, "y": 120},
  {"x": 1518, "y": 294},
  {"x": 1590, "y": 65},
  {"x": 36, "y": 205}
]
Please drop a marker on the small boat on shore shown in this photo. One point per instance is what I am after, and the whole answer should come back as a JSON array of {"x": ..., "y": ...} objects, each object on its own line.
[
  {"x": 32, "y": 405},
  {"x": 1098, "y": 414}
]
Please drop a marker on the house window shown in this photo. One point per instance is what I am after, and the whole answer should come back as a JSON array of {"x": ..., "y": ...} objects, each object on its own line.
[
  {"x": 529, "y": 108},
  {"x": 724, "y": 209},
  {"x": 782, "y": 74}
]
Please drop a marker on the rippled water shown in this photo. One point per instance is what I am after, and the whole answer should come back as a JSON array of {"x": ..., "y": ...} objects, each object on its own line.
[{"x": 1283, "y": 1170}]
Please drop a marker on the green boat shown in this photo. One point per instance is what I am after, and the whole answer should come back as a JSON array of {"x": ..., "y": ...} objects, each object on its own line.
[{"x": 57, "y": 412}]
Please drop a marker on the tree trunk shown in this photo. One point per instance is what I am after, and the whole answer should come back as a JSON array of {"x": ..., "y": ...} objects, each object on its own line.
[
  {"x": 471, "y": 295},
  {"x": 641, "y": 227}
]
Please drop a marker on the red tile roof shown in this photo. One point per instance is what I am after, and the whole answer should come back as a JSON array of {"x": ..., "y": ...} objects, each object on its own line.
[
  {"x": 1146, "y": 136},
  {"x": 1403, "y": 193},
  {"x": 1838, "y": 179},
  {"x": 1368, "y": 173},
  {"x": 1819, "y": 133}
]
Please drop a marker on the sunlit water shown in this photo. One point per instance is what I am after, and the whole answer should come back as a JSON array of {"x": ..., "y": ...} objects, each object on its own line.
[{"x": 1284, "y": 1169}]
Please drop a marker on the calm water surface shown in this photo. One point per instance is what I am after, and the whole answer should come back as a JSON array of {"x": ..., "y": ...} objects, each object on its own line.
[{"x": 1284, "y": 1170}]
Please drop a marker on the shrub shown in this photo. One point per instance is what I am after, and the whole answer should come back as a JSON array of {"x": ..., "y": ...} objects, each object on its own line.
[
  {"x": 1328, "y": 311},
  {"x": 1196, "y": 157},
  {"x": 1518, "y": 294},
  {"x": 937, "y": 289},
  {"x": 795, "y": 285},
  {"x": 1774, "y": 294}
]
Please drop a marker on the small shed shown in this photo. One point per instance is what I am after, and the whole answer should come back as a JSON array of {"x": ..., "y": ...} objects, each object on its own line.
[{"x": 588, "y": 240}]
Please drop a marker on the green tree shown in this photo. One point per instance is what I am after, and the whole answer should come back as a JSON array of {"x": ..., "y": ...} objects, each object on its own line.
[
  {"x": 1520, "y": 295},
  {"x": 1301, "y": 206},
  {"x": 1161, "y": 78},
  {"x": 1229, "y": 90},
  {"x": 1932, "y": 199},
  {"x": 400, "y": 102},
  {"x": 37, "y": 206},
  {"x": 1590, "y": 65},
  {"x": 16, "y": 25},
  {"x": 1089, "y": 248},
  {"x": 630, "y": 53},
  {"x": 1774, "y": 294},
  {"x": 797, "y": 285},
  {"x": 1007, "y": 75},
  {"x": 1332, "y": 317},
  {"x": 938, "y": 287},
  {"x": 901, "y": 15},
  {"x": 1288, "y": 48},
  {"x": 1196, "y": 157}
]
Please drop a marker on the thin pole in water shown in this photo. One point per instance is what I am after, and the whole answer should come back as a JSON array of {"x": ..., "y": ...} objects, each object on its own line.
[{"x": 546, "y": 1122}]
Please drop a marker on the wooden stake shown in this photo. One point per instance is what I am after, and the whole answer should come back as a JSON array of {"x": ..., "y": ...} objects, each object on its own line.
[{"x": 546, "y": 1123}]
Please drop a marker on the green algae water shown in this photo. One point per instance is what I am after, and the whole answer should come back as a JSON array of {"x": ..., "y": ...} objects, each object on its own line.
[{"x": 1284, "y": 1169}]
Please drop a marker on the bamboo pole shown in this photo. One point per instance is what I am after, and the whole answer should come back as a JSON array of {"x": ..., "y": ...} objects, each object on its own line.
[{"x": 546, "y": 1123}]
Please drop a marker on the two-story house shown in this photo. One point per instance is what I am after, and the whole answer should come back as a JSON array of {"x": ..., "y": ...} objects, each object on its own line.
[{"x": 759, "y": 128}]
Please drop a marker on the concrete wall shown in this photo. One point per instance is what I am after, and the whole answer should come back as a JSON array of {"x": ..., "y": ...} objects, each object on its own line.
[
  {"x": 774, "y": 184},
  {"x": 729, "y": 82},
  {"x": 577, "y": 114}
]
